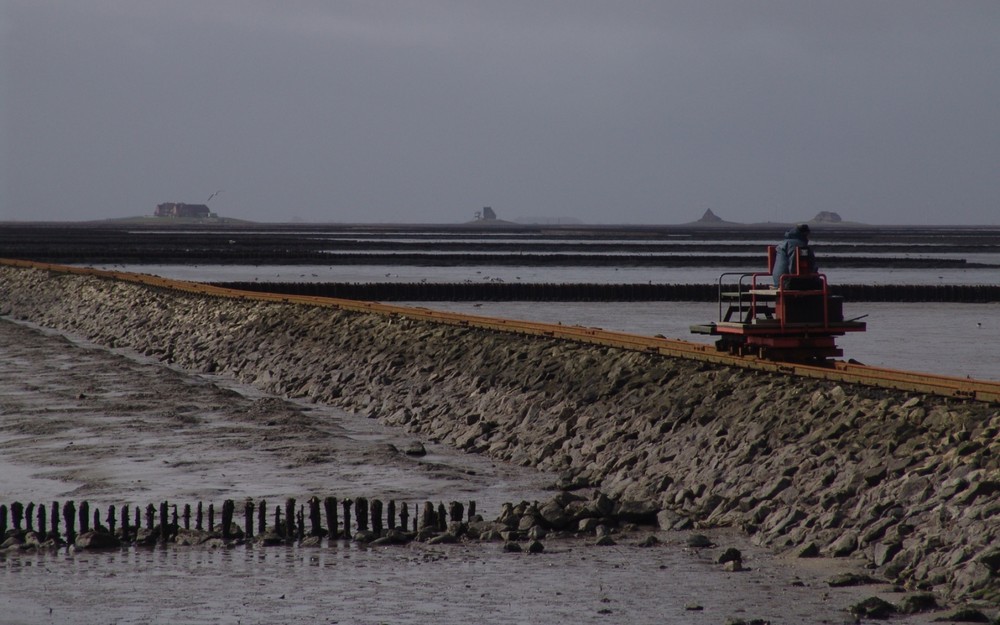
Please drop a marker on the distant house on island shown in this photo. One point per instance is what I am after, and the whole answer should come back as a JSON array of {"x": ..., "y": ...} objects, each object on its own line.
[
  {"x": 180, "y": 209},
  {"x": 486, "y": 214},
  {"x": 488, "y": 218}
]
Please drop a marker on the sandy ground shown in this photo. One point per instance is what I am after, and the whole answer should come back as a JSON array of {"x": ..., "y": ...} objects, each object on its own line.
[{"x": 81, "y": 422}]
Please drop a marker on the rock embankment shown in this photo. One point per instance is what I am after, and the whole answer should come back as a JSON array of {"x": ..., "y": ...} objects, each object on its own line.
[{"x": 910, "y": 483}]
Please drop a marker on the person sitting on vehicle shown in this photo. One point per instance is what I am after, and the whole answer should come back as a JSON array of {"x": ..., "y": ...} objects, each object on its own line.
[{"x": 785, "y": 256}]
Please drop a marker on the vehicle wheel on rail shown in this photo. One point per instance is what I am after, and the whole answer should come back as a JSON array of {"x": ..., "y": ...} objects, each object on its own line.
[{"x": 730, "y": 345}]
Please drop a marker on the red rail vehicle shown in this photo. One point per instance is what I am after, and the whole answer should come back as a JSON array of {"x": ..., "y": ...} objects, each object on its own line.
[{"x": 795, "y": 321}]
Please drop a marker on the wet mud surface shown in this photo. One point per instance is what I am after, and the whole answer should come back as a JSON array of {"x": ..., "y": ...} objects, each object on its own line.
[
  {"x": 80, "y": 422},
  {"x": 571, "y": 582}
]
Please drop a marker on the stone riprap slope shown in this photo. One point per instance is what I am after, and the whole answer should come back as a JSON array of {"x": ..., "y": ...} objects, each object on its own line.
[{"x": 910, "y": 483}]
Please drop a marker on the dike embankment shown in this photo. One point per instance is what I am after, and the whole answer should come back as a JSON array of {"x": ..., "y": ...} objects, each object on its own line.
[{"x": 909, "y": 483}]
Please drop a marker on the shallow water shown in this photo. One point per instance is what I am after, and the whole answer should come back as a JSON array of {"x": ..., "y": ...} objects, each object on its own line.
[
  {"x": 946, "y": 339},
  {"x": 528, "y": 274}
]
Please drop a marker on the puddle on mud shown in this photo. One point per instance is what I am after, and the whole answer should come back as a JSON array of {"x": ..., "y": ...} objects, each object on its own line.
[{"x": 80, "y": 422}]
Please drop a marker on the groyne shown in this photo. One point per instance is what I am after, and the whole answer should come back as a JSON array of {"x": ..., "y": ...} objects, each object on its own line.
[
  {"x": 910, "y": 483},
  {"x": 31, "y": 525}
]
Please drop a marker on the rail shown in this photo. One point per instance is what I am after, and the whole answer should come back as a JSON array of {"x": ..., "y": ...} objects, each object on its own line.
[
  {"x": 948, "y": 386},
  {"x": 601, "y": 292}
]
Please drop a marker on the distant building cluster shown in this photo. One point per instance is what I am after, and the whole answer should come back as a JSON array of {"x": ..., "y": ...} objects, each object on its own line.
[
  {"x": 486, "y": 214},
  {"x": 180, "y": 209}
]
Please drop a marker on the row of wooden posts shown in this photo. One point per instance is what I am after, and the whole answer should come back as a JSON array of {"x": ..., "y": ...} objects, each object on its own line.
[{"x": 289, "y": 520}]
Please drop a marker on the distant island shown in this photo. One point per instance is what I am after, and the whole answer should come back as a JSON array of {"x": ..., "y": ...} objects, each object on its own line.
[{"x": 709, "y": 218}]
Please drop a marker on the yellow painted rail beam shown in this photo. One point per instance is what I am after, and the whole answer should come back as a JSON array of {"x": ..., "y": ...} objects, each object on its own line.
[{"x": 948, "y": 386}]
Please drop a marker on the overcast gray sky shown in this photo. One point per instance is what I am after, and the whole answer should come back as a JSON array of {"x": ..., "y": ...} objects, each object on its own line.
[{"x": 424, "y": 111}]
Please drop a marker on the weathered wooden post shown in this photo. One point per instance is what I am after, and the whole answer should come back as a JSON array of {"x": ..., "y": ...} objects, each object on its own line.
[
  {"x": 472, "y": 510},
  {"x": 455, "y": 512},
  {"x": 53, "y": 521},
  {"x": 428, "y": 519},
  {"x": 330, "y": 506},
  {"x": 404, "y": 515},
  {"x": 69, "y": 515},
  {"x": 41, "y": 522},
  {"x": 262, "y": 517},
  {"x": 361, "y": 510},
  {"x": 442, "y": 518},
  {"x": 278, "y": 527},
  {"x": 150, "y": 516},
  {"x": 198, "y": 518},
  {"x": 300, "y": 524},
  {"x": 173, "y": 519},
  {"x": 211, "y": 517},
  {"x": 17, "y": 514},
  {"x": 111, "y": 520},
  {"x": 376, "y": 508},
  {"x": 228, "y": 508},
  {"x": 290, "y": 519},
  {"x": 126, "y": 531},
  {"x": 29, "y": 522},
  {"x": 164, "y": 522},
  {"x": 3, "y": 519},
  {"x": 347, "y": 517},
  {"x": 84, "y": 517},
  {"x": 187, "y": 516},
  {"x": 248, "y": 518},
  {"x": 315, "y": 523},
  {"x": 391, "y": 514},
  {"x": 97, "y": 519},
  {"x": 138, "y": 523}
]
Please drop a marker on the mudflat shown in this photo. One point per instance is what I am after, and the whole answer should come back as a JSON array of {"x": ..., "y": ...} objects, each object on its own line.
[{"x": 82, "y": 422}]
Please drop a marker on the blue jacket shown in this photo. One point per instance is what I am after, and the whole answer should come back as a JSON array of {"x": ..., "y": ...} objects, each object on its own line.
[{"x": 784, "y": 259}]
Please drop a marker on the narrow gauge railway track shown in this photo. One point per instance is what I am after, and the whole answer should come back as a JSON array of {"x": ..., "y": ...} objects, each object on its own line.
[
  {"x": 948, "y": 386},
  {"x": 599, "y": 292}
]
